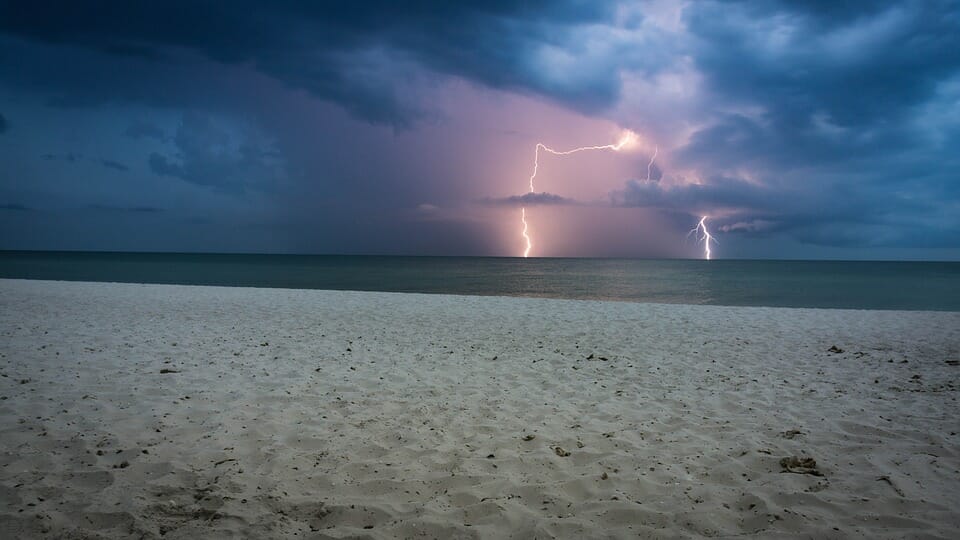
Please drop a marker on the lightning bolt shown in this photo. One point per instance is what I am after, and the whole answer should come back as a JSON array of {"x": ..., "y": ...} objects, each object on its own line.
[
  {"x": 706, "y": 238},
  {"x": 653, "y": 157},
  {"x": 627, "y": 139},
  {"x": 523, "y": 218}
]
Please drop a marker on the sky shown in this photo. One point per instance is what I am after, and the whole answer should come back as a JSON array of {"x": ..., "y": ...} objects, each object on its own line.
[{"x": 816, "y": 129}]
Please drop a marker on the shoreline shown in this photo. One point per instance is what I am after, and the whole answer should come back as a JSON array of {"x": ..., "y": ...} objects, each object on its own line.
[
  {"x": 492, "y": 295},
  {"x": 188, "y": 410},
  {"x": 803, "y": 284}
]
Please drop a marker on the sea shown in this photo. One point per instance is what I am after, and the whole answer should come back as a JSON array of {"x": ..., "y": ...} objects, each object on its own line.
[{"x": 925, "y": 286}]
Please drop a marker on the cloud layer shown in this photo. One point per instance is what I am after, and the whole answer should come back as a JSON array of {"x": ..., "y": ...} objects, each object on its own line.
[
  {"x": 531, "y": 199},
  {"x": 828, "y": 125},
  {"x": 352, "y": 54}
]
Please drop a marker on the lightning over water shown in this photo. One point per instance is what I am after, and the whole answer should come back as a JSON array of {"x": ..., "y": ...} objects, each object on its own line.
[
  {"x": 627, "y": 139},
  {"x": 701, "y": 233},
  {"x": 523, "y": 218}
]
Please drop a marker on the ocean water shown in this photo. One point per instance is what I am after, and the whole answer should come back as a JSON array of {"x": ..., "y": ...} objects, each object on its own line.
[{"x": 820, "y": 284}]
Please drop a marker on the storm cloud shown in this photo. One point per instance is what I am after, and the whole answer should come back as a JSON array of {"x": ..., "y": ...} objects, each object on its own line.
[
  {"x": 826, "y": 124},
  {"x": 208, "y": 153},
  {"x": 351, "y": 54}
]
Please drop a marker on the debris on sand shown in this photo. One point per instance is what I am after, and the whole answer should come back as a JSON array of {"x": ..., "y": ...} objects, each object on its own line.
[
  {"x": 168, "y": 370},
  {"x": 887, "y": 479},
  {"x": 800, "y": 465},
  {"x": 834, "y": 349},
  {"x": 791, "y": 434},
  {"x": 529, "y": 438},
  {"x": 560, "y": 451}
]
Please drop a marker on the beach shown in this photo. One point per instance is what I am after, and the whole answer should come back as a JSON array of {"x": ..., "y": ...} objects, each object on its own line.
[{"x": 172, "y": 411}]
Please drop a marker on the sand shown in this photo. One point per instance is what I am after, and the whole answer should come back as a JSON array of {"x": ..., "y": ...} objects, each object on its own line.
[{"x": 205, "y": 412}]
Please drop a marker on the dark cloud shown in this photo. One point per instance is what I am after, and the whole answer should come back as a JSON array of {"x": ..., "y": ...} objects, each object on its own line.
[
  {"x": 834, "y": 215},
  {"x": 829, "y": 106},
  {"x": 133, "y": 209},
  {"x": 349, "y": 54},
  {"x": 825, "y": 83},
  {"x": 110, "y": 164},
  {"x": 159, "y": 165},
  {"x": 862, "y": 70},
  {"x": 828, "y": 123},
  {"x": 69, "y": 157},
  {"x": 718, "y": 193},
  {"x": 827, "y": 13},
  {"x": 15, "y": 207},
  {"x": 211, "y": 153},
  {"x": 530, "y": 199},
  {"x": 144, "y": 130}
]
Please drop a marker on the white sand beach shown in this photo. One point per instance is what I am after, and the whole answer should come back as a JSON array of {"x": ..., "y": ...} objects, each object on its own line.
[{"x": 149, "y": 411}]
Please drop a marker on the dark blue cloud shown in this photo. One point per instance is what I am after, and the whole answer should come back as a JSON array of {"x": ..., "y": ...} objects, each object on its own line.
[
  {"x": 209, "y": 153},
  {"x": 72, "y": 157},
  {"x": 347, "y": 53},
  {"x": 830, "y": 107},
  {"x": 860, "y": 68},
  {"x": 719, "y": 193},
  {"x": 135, "y": 209},
  {"x": 15, "y": 207},
  {"x": 834, "y": 215},
  {"x": 68, "y": 157},
  {"x": 110, "y": 164},
  {"x": 145, "y": 130},
  {"x": 530, "y": 199},
  {"x": 827, "y": 82}
]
